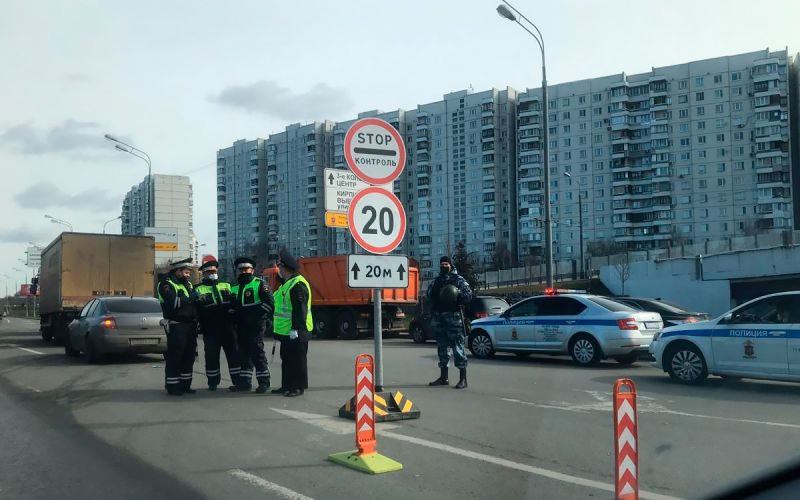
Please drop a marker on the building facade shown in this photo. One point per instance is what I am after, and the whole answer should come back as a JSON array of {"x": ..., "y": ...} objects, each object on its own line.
[
  {"x": 680, "y": 154},
  {"x": 170, "y": 206}
]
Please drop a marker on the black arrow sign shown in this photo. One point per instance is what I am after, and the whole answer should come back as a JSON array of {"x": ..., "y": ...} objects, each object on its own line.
[
  {"x": 355, "y": 270},
  {"x": 401, "y": 271},
  {"x": 330, "y": 179}
]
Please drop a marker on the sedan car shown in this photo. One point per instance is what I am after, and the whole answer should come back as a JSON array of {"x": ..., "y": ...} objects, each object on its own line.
[
  {"x": 759, "y": 339},
  {"x": 116, "y": 325},
  {"x": 480, "y": 307},
  {"x": 587, "y": 327},
  {"x": 670, "y": 313}
]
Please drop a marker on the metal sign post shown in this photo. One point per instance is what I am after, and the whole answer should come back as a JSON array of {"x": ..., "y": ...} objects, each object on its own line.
[{"x": 378, "y": 328}]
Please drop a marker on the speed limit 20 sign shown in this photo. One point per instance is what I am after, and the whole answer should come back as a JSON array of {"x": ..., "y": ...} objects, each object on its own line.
[
  {"x": 374, "y": 151},
  {"x": 377, "y": 220}
]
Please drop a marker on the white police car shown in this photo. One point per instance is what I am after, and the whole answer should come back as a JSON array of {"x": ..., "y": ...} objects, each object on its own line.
[
  {"x": 587, "y": 327},
  {"x": 759, "y": 339}
]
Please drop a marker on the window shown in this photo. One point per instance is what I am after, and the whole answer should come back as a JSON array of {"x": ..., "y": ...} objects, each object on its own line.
[
  {"x": 736, "y": 76},
  {"x": 720, "y": 137},
  {"x": 524, "y": 308},
  {"x": 558, "y": 306},
  {"x": 701, "y": 110},
  {"x": 699, "y": 96},
  {"x": 684, "y": 141},
  {"x": 719, "y": 108},
  {"x": 597, "y": 97},
  {"x": 85, "y": 310},
  {"x": 683, "y": 99},
  {"x": 683, "y": 113},
  {"x": 717, "y": 78},
  {"x": 721, "y": 167},
  {"x": 701, "y": 169},
  {"x": 772, "y": 310},
  {"x": 698, "y": 81},
  {"x": 702, "y": 184},
  {"x": 683, "y": 127},
  {"x": 582, "y": 112},
  {"x": 598, "y": 111},
  {"x": 683, "y": 84},
  {"x": 581, "y": 99},
  {"x": 701, "y": 125},
  {"x": 701, "y": 139},
  {"x": 565, "y": 115},
  {"x": 737, "y": 106},
  {"x": 720, "y": 182},
  {"x": 718, "y": 93}
]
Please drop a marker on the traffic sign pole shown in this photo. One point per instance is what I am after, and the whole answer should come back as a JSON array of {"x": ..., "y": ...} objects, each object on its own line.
[{"x": 377, "y": 325}]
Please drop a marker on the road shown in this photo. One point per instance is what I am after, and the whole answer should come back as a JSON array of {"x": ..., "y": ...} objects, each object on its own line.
[{"x": 536, "y": 427}]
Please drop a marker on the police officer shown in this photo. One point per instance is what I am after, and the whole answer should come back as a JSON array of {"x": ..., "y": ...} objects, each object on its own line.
[
  {"x": 252, "y": 305},
  {"x": 214, "y": 301},
  {"x": 177, "y": 299},
  {"x": 447, "y": 294},
  {"x": 293, "y": 325}
]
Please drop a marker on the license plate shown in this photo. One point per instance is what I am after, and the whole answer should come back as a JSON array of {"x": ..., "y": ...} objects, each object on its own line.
[
  {"x": 651, "y": 325},
  {"x": 144, "y": 341}
]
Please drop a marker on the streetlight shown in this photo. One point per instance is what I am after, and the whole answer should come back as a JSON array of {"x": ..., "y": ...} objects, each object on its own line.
[
  {"x": 25, "y": 273},
  {"x": 504, "y": 12},
  {"x": 56, "y": 220},
  {"x": 111, "y": 220},
  {"x": 580, "y": 223},
  {"x": 131, "y": 150}
]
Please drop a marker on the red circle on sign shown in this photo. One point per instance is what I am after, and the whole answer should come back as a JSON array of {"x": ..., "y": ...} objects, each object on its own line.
[
  {"x": 348, "y": 155},
  {"x": 357, "y": 235}
]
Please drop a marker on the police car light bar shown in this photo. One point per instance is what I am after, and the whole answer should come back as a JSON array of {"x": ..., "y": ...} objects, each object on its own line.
[{"x": 556, "y": 291}]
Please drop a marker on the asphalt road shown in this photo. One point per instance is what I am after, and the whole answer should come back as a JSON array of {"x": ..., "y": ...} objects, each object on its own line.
[{"x": 537, "y": 427}]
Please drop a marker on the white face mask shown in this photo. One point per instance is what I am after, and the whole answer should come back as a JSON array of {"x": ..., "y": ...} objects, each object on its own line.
[{"x": 213, "y": 276}]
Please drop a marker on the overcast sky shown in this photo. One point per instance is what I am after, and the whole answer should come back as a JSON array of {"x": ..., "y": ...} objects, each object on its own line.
[{"x": 181, "y": 79}]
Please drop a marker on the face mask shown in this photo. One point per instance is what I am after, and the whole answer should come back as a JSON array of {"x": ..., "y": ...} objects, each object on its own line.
[
  {"x": 444, "y": 270},
  {"x": 245, "y": 278},
  {"x": 212, "y": 277}
]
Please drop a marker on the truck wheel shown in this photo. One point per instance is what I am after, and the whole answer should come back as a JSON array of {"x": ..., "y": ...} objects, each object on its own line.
[
  {"x": 417, "y": 335},
  {"x": 346, "y": 325},
  {"x": 47, "y": 334},
  {"x": 323, "y": 325}
]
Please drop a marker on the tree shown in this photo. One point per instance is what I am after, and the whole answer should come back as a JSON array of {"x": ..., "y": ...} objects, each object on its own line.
[
  {"x": 678, "y": 238},
  {"x": 623, "y": 269},
  {"x": 464, "y": 264},
  {"x": 502, "y": 258},
  {"x": 602, "y": 248}
]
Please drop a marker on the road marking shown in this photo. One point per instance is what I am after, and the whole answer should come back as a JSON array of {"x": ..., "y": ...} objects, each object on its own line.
[
  {"x": 334, "y": 425},
  {"x": 29, "y": 350},
  {"x": 330, "y": 424},
  {"x": 268, "y": 485},
  {"x": 648, "y": 407}
]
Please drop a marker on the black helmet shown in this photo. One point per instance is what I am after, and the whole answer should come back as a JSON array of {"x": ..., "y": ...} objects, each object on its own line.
[{"x": 448, "y": 295}]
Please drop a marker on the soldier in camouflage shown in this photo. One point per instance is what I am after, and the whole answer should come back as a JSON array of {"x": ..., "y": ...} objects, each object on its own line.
[{"x": 448, "y": 293}]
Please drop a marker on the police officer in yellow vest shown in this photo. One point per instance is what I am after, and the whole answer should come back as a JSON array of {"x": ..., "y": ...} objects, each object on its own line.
[
  {"x": 216, "y": 325},
  {"x": 177, "y": 299},
  {"x": 253, "y": 305},
  {"x": 293, "y": 325}
]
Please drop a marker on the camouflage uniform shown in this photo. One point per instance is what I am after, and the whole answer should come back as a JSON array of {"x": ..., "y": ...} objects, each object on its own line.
[{"x": 446, "y": 319}]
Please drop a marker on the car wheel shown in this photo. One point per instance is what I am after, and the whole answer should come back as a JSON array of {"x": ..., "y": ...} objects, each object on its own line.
[
  {"x": 90, "y": 352},
  {"x": 585, "y": 350},
  {"x": 627, "y": 359},
  {"x": 68, "y": 349},
  {"x": 480, "y": 345},
  {"x": 346, "y": 325},
  {"x": 417, "y": 335},
  {"x": 523, "y": 354},
  {"x": 685, "y": 363}
]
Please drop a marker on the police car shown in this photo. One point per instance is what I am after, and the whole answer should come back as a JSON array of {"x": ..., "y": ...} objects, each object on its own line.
[
  {"x": 759, "y": 339},
  {"x": 587, "y": 327}
]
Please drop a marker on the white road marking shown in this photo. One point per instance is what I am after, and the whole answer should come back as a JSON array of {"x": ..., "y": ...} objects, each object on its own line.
[
  {"x": 335, "y": 425},
  {"x": 268, "y": 485},
  {"x": 331, "y": 424},
  {"x": 29, "y": 350},
  {"x": 646, "y": 407}
]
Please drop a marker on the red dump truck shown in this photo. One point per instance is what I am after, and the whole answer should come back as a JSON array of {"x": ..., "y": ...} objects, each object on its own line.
[{"x": 340, "y": 311}]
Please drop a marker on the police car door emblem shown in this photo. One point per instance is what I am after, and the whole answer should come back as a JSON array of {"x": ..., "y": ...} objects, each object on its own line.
[
  {"x": 514, "y": 334},
  {"x": 749, "y": 350}
]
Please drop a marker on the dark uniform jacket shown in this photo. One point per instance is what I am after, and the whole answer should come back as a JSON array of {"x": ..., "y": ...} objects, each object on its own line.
[
  {"x": 441, "y": 281},
  {"x": 207, "y": 309},
  {"x": 298, "y": 296},
  {"x": 251, "y": 314},
  {"x": 176, "y": 306}
]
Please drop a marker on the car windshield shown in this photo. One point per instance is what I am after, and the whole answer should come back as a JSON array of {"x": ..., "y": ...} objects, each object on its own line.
[
  {"x": 132, "y": 306},
  {"x": 611, "y": 305},
  {"x": 489, "y": 304},
  {"x": 661, "y": 306}
]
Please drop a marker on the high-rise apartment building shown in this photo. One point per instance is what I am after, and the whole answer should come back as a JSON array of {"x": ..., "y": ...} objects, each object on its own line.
[
  {"x": 690, "y": 152},
  {"x": 171, "y": 207}
]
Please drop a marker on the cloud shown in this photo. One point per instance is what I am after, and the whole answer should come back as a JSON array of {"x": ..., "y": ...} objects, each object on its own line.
[
  {"x": 46, "y": 194},
  {"x": 70, "y": 136},
  {"x": 269, "y": 98},
  {"x": 77, "y": 78},
  {"x": 23, "y": 234}
]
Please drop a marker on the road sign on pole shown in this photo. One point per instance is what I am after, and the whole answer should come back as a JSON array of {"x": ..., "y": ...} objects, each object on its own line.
[
  {"x": 377, "y": 220},
  {"x": 335, "y": 219},
  {"x": 375, "y": 151},
  {"x": 341, "y": 186},
  {"x": 377, "y": 271}
]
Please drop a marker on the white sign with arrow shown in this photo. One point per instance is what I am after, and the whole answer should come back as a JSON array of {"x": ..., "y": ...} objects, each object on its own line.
[
  {"x": 377, "y": 271},
  {"x": 341, "y": 186}
]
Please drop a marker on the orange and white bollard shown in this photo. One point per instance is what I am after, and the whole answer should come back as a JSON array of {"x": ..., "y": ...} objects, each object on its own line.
[
  {"x": 365, "y": 458},
  {"x": 626, "y": 441}
]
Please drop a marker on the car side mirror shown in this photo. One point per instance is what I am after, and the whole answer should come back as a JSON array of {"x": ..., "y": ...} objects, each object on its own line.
[{"x": 727, "y": 318}]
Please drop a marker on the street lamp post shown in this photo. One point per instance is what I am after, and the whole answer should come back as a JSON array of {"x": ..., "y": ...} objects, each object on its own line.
[
  {"x": 127, "y": 148},
  {"x": 504, "y": 12},
  {"x": 580, "y": 226},
  {"x": 56, "y": 220},
  {"x": 111, "y": 220}
]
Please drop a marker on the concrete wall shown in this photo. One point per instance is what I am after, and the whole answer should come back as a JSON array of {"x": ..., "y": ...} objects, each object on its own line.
[{"x": 680, "y": 281}]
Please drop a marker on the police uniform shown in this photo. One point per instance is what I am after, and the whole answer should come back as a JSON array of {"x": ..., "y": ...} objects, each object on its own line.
[
  {"x": 216, "y": 326},
  {"x": 177, "y": 299},
  {"x": 253, "y": 304},
  {"x": 293, "y": 325},
  {"x": 447, "y": 322}
]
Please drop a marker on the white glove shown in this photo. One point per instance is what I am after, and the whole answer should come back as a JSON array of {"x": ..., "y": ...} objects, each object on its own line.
[{"x": 292, "y": 334}]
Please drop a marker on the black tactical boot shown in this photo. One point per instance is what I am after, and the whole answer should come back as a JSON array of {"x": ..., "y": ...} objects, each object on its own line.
[
  {"x": 442, "y": 380},
  {"x": 462, "y": 379}
]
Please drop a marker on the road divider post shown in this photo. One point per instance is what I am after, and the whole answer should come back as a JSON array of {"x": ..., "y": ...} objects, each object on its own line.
[{"x": 626, "y": 441}]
